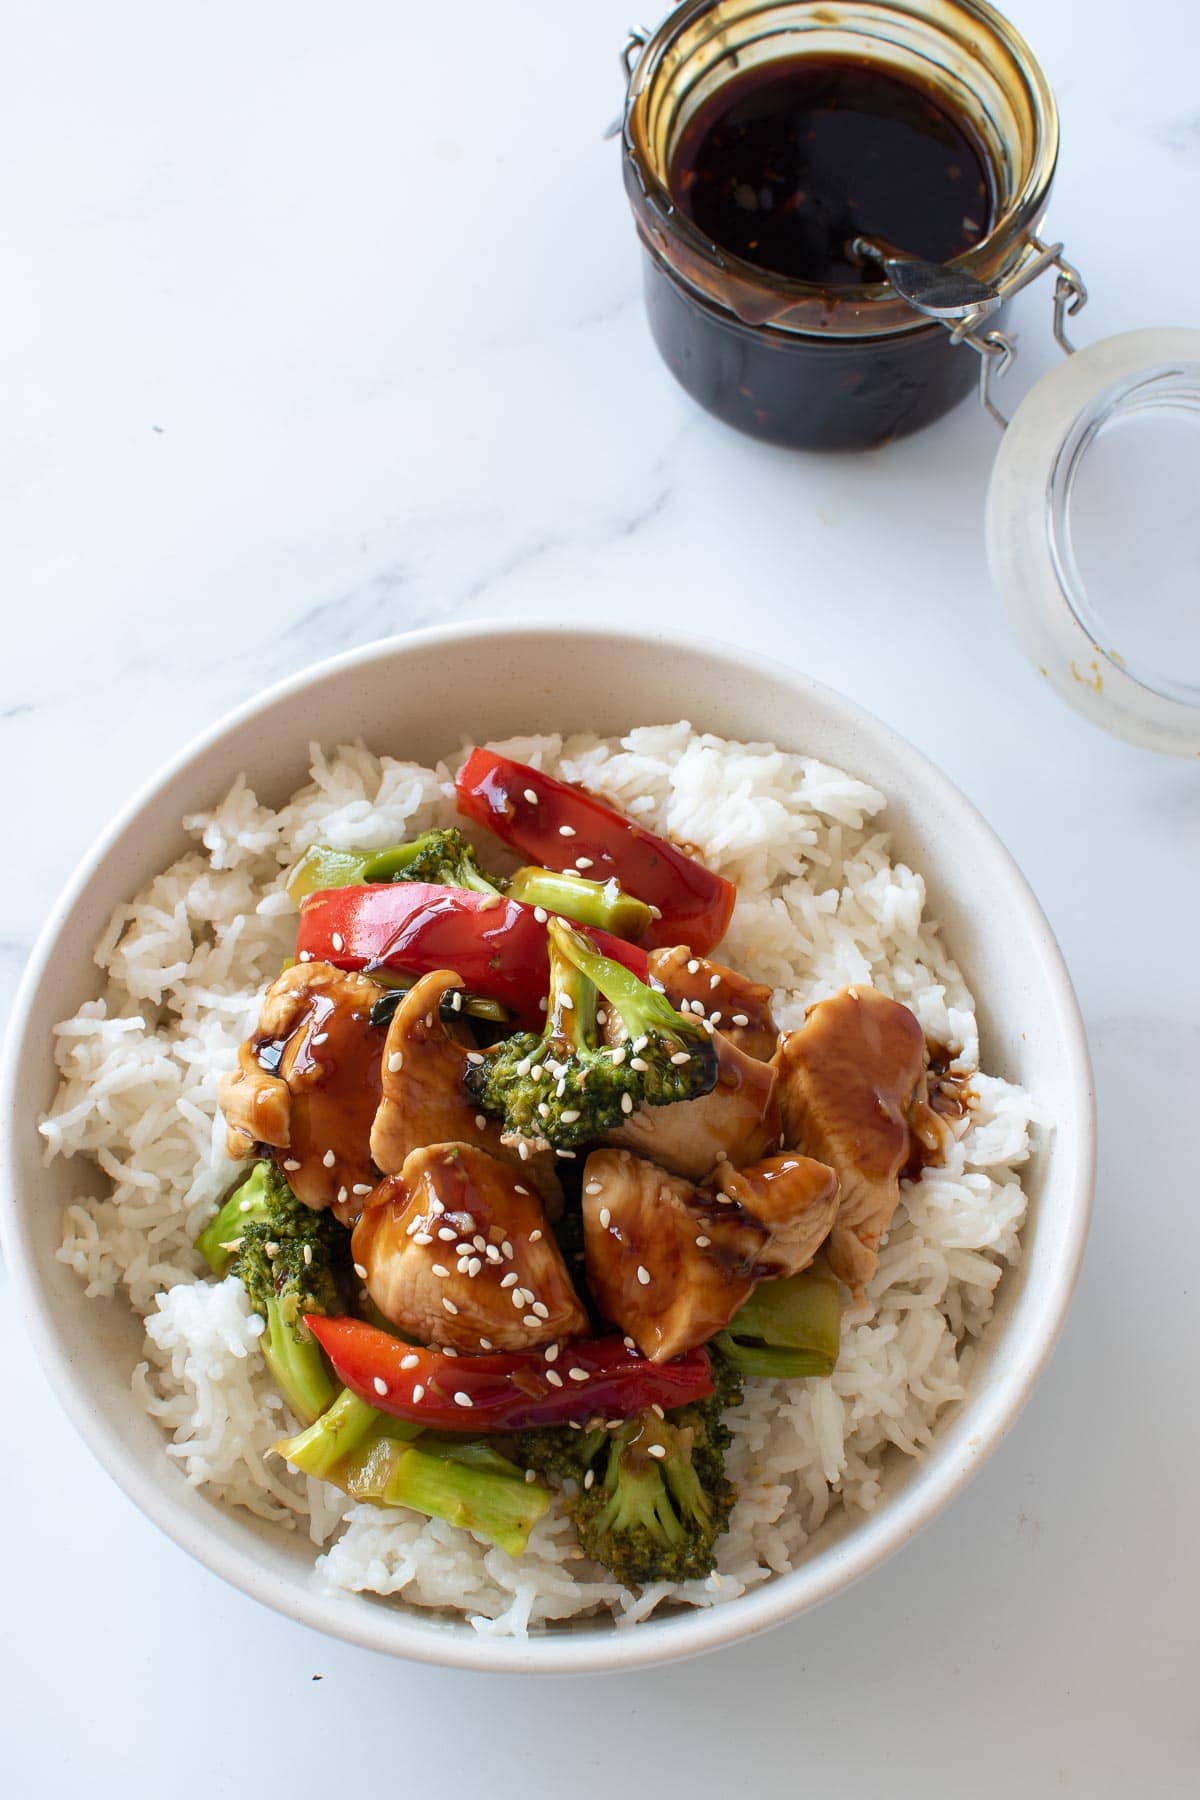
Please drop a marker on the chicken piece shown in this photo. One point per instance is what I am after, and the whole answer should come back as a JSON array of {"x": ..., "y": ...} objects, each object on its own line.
[
  {"x": 780, "y": 1211},
  {"x": 307, "y": 1084},
  {"x": 424, "y": 1101},
  {"x": 741, "y": 1009},
  {"x": 652, "y": 1266},
  {"x": 847, "y": 1079},
  {"x": 739, "y": 1121},
  {"x": 456, "y": 1251}
]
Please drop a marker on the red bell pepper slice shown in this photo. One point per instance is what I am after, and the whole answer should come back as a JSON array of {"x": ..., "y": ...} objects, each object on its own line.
[
  {"x": 497, "y": 946},
  {"x": 563, "y": 827},
  {"x": 505, "y": 1392}
]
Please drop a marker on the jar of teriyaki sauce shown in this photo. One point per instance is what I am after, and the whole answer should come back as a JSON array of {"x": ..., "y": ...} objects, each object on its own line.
[{"x": 763, "y": 137}]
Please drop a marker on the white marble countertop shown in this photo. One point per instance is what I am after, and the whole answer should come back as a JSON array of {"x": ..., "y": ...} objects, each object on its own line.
[{"x": 325, "y": 323}]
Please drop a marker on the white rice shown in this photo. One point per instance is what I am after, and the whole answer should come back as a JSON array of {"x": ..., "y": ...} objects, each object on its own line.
[{"x": 820, "y": 905}]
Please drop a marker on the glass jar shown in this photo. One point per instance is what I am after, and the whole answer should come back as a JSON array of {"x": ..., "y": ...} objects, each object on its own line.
[{"x": 799, "y": 364}]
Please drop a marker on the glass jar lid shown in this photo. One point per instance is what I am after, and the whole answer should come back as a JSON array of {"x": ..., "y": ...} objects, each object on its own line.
[{"x": 1093, "y": 534}]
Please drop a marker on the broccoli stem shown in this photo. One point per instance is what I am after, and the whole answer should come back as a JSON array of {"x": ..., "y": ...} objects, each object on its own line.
[
  {"x": 367, "y": 1455},
  {"x": 297, "y": 1364},
  {"x": 250, "y": 1201},
  {"x": 603, "y": 904},
  {"x": 788, "y": 1328},
  {"x": 643, "y": 1009}
]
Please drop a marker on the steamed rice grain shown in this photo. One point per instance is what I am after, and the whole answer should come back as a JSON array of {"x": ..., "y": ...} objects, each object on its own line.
[{"x": 821, "y": 905}]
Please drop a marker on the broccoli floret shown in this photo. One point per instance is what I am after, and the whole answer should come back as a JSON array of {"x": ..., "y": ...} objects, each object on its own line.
[
  {"x": 440, "y": 856},
  {"x": 564, "y": 1086},
  {"x": 673, "y": 1053},
  {"x": 649, "y": 1498},
  {"x": 291, "y": 1261}
]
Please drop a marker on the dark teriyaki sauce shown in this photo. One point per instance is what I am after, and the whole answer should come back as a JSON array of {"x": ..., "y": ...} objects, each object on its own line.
[{"x": 787, "y": 162}]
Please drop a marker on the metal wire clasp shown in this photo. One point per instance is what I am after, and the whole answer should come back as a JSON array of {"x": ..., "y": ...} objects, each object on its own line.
[{"x": 997, "y": 350}]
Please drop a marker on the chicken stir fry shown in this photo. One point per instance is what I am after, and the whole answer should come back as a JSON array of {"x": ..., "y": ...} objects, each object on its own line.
[
  {"x": 574, "y": 1170},
  {"x": 308, "y": 1084},
  {"x": 848, "y": 1078},
  {"x": 456, "y": 1249}
]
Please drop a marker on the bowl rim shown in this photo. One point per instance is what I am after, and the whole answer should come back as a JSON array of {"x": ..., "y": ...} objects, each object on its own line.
[{"x": 394, "y": 1629}]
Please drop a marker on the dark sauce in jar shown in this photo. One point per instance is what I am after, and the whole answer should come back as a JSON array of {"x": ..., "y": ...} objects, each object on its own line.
[
  {"x": 782, "y": 166},
  {"x": 791, "y": 160}
]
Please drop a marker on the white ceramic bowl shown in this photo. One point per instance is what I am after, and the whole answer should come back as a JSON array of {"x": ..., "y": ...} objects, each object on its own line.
[{"x": 415, "y": 696}]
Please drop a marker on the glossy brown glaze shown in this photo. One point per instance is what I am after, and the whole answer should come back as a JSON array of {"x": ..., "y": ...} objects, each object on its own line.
[
  {"x": 778, "y": 1212},
  {"x": 738, "y": 1121},
  {"x": 424, "y": 1102},
  {"x": 308, "y": 1084},
  {"x": 653, "y": 1269},
  {"x": 935, "y": 1113},
  {"x": 741, "y": 1009},
  {"x": 847, "y": 1080},
  {"x": 448, "y": 1243}
]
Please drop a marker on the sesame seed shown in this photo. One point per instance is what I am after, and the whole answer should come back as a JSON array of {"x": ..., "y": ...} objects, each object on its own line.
[
  {"x": 449, "y": 1350},
  {"x": 509, "y": 1280},
  {"x": 531, "y": 1474},
  {"x": 308, "y": 1256},
  {"x": 461, "y": 1399},
  {"x": 543, "y": 1110},
  {"x": 531, "y": 1322},
  {"x": 338, "y": 941},
  {"x": 640, "y": 1043},
  {"x": 578, "y": 1374},
  {"x": 715, "y": 1019},
  {"x": 409, "y": 1362},
  {"x": 523, "y": 1150},
  {"x": 535, "y": 1237},
  {"x": 485, "y": 1343},
  {"x": 360, "y": 1271},
  {"x": 681, "y": 1056},
  {"x": 492, "y": 1254},
  {"x": 531, "y": 796},
  {"x": 423, "y": 1237},
  {"x": 543, "y": 1004},
  {"x": 655, "y": 912},
  {"x": 565, "y": 1001},
  {"x": 629, "y": 1343},
  {"x": 693, "y": 967},
  {"x": 506, "y": 1248},
  {"x": 329, "y": 1159},
  {"x": 583, "y": 862},
  {"x": 380, "y": 1385},
  {"x": 456, "y": 1001},
  {"x": 447, "y": 1234},
  {"x": 475, "y": 1056},
  {"x": 322, "y": 1037},
  {"x": 657, "y": 1410},
  {"x": 551, "y": 1353},
  {"x": 740, "y": 1019},
  {"x": 593, "y": 1187},
  {"x": 540, "y": 1308},
  {"x": 437, "y": 1206},
  {"x": 306, "y": 956},
  {"x": 518, "y": 1298},
  {"x": 361, "y": 1187},
  {"x": 605, "y": 1217},
  {"x": 639, "y": 1063},
  {"x": 418, "y": 1393},
  {"x": 704, "y": 1242},
  {"x": 601, "y": 1016},
  {"x": 343, "y": 1195},
  {"x": 449, "y": 1306},
  {"x": 626, "y": 1103},
  {"x": 565, "y": 1155},
  {"x": 658, "y": 1450},
  {"x": 589, "y": 1478},
  {"x": 291, "y": 1165},
  {"x": 536, "y": 1070},
  {"x": 569, "y": 1115},
  {"x": 618, "y": 1055},
  {"x": 480, "y": 1121},
  {"x": 566, "y": 831},
  {"x": 714, "y": 981},
  {"x": 643, "y": 1275},
  {"x": 518, "y": 1189},
  {"x": 540, "y": 914},
  {"x": 429, "y": 1021},
  {"x": 442, "y": 1273},
  {"x": 554, "y": 1378},
  {"x": 395, "y": 1062},
  {"x": 473, "y": 1267}
]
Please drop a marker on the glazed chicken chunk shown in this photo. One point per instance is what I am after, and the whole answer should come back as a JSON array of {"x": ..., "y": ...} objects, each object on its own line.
[
  {"x": 307, "y": 1084},
  {"x": 847, "y": 1079},
  {"x": 456, "y": 1251},
  {"x": 423, "y": 1099},
  {"x": 739, "y": 1121},
  {"x": 670, "y": 1263},
  {"x": 740, "y": 1009}
]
